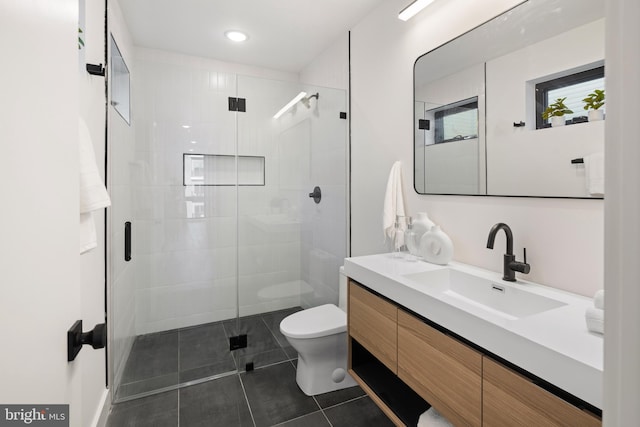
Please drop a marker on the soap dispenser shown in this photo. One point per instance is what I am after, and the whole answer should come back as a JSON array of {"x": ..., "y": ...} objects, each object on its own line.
[
  {"x": 412, "y": 240},
  {"x": 398, "y": 238}
]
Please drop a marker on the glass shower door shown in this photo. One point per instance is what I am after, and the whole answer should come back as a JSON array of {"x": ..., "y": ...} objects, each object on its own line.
[
  {"x": 226, "y": 240},
  {"x": 289, "y": 247},
  {"x": 173, "y": 174}
]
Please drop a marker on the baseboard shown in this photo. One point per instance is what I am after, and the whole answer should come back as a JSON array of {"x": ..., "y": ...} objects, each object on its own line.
[{"x": 102, "y": 412}]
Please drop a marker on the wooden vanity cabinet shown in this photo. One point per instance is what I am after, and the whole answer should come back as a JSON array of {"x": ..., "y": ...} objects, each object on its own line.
[
  {"x": 429, "y": 367},
  {"x": 442, "y": 370},
  {"x": 373, "y": 322},
  {"x": 510, "y": 399}
]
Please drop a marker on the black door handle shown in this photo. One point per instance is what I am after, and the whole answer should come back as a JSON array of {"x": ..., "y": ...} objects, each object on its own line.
[
  {"x": 127, "y": 241},
  {"x": 96, "y": 338}
]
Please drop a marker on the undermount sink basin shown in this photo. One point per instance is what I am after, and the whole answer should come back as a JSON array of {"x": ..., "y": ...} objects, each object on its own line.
[{"x": 475, "y": 293}]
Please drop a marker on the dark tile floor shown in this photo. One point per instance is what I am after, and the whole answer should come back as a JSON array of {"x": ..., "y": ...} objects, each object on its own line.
[
  {"x": 267, "y": 396},
  {"x": 166, "y": 359}
]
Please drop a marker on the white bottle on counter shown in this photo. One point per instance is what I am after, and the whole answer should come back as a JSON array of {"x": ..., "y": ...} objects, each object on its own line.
[
  {"x": 436, "y": 247},
  {"x": 421, "y": 224}
]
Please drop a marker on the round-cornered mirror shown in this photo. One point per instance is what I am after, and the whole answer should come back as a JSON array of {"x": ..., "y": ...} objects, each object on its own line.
[{"x": 480, "y": 126}]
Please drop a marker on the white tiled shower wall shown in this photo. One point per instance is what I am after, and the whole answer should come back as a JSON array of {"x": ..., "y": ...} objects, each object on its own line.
[{"x": 285, "y": 246}]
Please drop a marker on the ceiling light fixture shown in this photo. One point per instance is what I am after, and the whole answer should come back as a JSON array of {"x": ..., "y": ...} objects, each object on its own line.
[
  {"x": 413, "y": 9},
  {"x": 290, "y": 104},
  {"x": 236, "y": 36}
]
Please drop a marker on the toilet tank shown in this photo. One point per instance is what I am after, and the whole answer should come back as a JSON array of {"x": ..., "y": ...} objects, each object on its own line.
[{"x": 342, "y": 296}]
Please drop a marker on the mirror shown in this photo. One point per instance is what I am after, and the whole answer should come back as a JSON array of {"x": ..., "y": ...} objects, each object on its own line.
[
  {"x": 119, "y": 78},
  {"x": 479, "y": 99}
]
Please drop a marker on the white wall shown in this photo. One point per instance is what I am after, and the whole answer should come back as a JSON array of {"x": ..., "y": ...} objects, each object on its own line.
[
  {"x": 39, "y": 262},
  {"x": 331, "y": 67},
  {"x": 564, "y": 238},
  {"x": 622, "y": 208}
]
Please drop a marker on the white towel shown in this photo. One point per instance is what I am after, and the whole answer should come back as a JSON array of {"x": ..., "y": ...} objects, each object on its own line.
[
  {"x": 433, "y": 418},
  {"x": 595, "y": 319},
  {"x": 93, "y": 194},
  {"x": 594, "y": 173},
  {"x": 598, "y": 299},
  {"x": 88, "y": 235},
  {"x": 393, "y": 202}
]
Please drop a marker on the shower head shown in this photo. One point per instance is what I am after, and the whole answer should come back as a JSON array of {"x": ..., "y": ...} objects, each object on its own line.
[{"x": 307, "y": 99}]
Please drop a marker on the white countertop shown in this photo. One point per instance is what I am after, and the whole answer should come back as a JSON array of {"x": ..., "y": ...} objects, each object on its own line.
[{"x": 554, "y": 345}]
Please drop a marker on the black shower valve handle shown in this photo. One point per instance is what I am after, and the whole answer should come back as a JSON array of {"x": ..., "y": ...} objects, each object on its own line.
[{"x": 316, "y": 195}]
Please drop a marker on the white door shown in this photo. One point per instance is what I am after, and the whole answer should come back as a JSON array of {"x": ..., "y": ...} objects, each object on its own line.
[{"x": 39, "y": 261}]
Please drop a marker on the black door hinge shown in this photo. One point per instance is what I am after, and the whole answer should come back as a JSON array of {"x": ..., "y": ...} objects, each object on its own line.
[{"x": 237, "y": 104}]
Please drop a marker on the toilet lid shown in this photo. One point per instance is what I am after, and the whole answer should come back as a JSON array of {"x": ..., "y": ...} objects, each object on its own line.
[{"x": 315, "y": 322}]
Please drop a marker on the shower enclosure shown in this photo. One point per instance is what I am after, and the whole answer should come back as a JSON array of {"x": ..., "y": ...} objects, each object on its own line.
[{"x": 225, "y": 238}]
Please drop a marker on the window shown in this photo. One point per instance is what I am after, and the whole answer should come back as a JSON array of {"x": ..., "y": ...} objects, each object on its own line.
[
  {"x": 456, "y": 121},
  {"x": 575, "y": 87}
]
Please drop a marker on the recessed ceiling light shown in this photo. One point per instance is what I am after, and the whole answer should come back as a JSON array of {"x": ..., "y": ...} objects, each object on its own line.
[{"x": 236, "y": 36}]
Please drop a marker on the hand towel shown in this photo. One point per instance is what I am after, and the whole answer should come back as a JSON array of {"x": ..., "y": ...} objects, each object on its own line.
[
  {"x": 598, "y": 299},
  {"x": 595, "y": 319},
  {"x": 88, "y": 235},
  {"x": 594, "y": 173},
  {"x": 93, "y": 194},
  {"x": 433, "y": 418},
  {"x": 393, "y": 202}
]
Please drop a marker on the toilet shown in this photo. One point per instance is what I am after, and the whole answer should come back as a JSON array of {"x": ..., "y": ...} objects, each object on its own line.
[{"x": 319, "y": 335}]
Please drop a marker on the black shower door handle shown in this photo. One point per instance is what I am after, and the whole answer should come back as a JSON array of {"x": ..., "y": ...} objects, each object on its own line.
[{"x": 127, "y": 241}]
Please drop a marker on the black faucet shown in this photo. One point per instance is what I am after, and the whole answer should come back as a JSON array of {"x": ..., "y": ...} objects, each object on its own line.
[{"x": 510, "y": 263}]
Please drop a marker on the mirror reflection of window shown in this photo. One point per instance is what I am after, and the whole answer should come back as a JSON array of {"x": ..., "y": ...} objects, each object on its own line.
[
  {"x": 195, "y": 201},
  {"x": 457, "y": 121}
]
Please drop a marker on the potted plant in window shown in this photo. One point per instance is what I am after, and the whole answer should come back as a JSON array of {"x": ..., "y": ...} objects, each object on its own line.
[
  {"x": 592, "y": 104},
  {"x": 556, "y": 112}
]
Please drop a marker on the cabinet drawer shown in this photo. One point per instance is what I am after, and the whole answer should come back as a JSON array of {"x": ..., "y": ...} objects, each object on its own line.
[
  {"x": 510, "y": 399},
  {"x": 373, "y": 323},
  {"x": 445, "y": 372}
]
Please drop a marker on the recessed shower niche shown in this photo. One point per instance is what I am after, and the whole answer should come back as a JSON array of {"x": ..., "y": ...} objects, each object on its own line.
[
  {"x": 214, "y": 169},
  {"x": 226, "y": 241}
]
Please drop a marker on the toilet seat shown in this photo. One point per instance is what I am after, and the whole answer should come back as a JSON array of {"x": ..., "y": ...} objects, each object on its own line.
[{"x": 315, "y": 322}]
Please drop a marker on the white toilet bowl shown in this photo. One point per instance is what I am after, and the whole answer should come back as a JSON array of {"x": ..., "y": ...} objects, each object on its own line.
[{"x": 319, "y": 335}]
